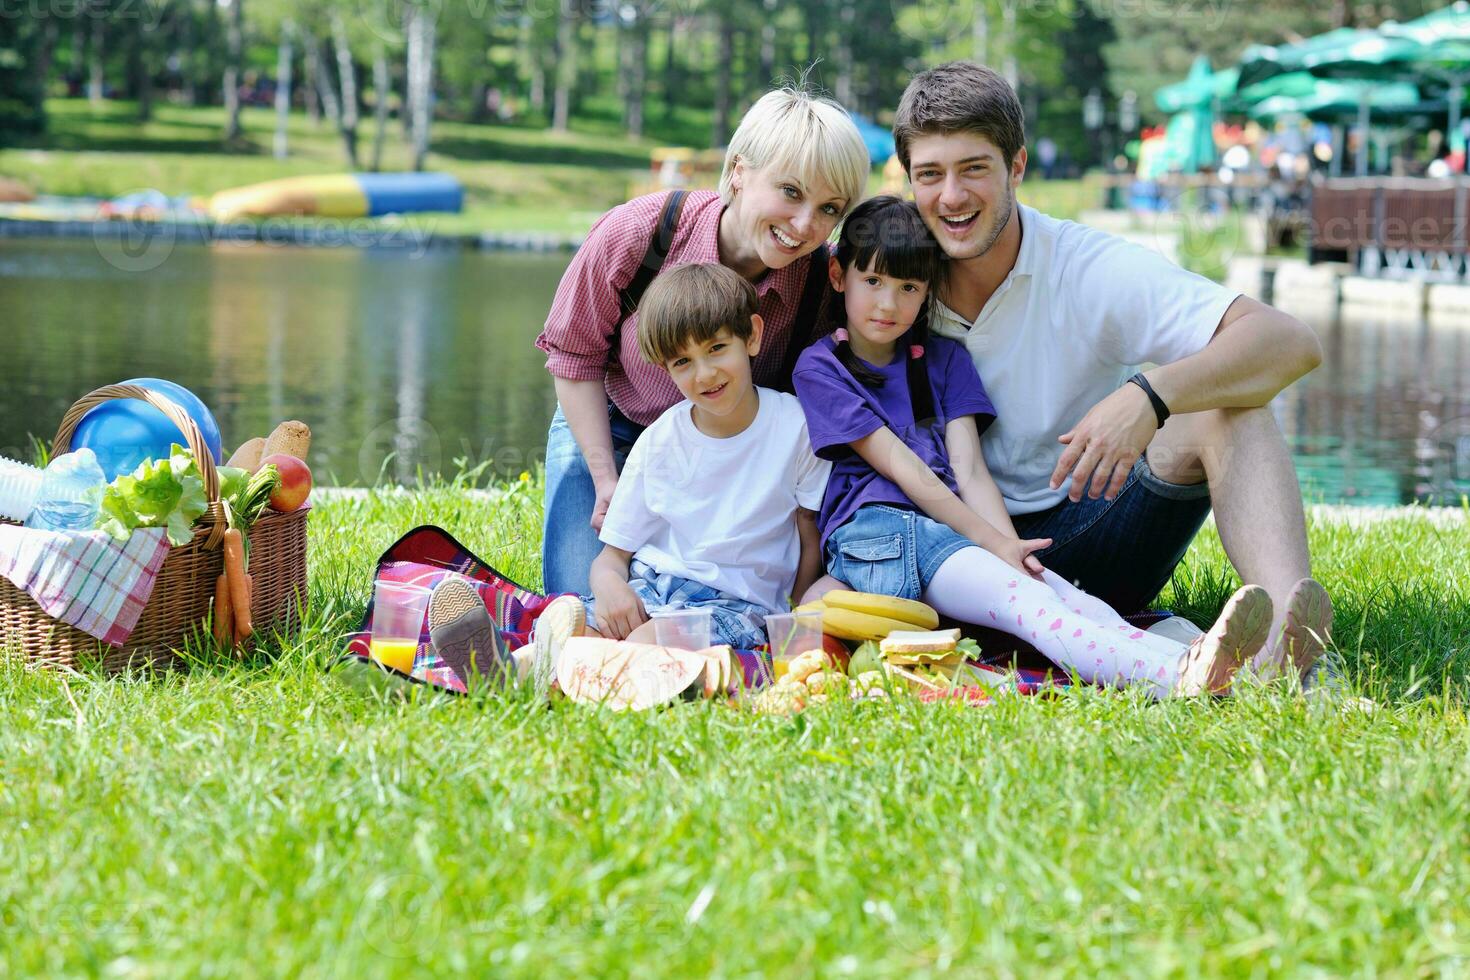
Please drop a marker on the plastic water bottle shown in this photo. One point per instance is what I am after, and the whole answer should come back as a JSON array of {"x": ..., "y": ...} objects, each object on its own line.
[
  {"x": 71, "y": 493},
  {"x": 19, "y": 484}
]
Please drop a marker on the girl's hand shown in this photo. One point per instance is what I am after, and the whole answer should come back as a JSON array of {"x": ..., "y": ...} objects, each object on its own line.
[
  {"x": 1018, "y": 554},
  {"x": 619, "y": 611}
]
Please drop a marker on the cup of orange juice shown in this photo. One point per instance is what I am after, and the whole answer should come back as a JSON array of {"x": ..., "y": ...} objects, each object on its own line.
[
  {"x": 790, "y": 635},
  {"x": 398, "y": 622}
]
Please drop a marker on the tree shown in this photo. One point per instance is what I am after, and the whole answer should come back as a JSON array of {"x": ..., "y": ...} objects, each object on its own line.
[
  {"x": 566, "y": 65},
  {"x": 22, "y": 110},
  {"x": 234, "y": 66}
]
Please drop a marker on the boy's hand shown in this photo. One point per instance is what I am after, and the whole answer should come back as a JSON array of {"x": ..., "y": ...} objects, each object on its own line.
[
  {"x": 619, "y": 611},
  {"x": 1018, "y": 554}
]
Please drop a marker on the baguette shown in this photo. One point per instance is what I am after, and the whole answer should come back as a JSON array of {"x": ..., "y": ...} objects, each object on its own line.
[
  {"x": 292, "y": 438},
  {"x": 247, "y": 457}
]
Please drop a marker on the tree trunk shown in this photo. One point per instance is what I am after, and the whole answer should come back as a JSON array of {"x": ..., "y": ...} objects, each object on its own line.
[
  {"x": 721, "y": 132},
  {"x": 187, "y": 62},
  {"x": 768, "y": 43},
  {"x": 311, "y": 70},
  {"x": 671, "y": 68},
  {"x": 421, "y": 82},
  {"x": 235, "y": 45},
  {"x": 636, "y": 69},
  {"x": 283, "y": 90},
  {"x": 980, "y": 33},
  {"x": 1011, "y": 71},
  {"x": 347, "y": 77},
  {"x": 142, "y": 72},
  {"x": 324, "y": 90},
  {"x": 566, "y": 66},
  {"x": 846, "y": 16},
  {"x": 45, "y": 53},
  {"x": 382, "y": 89},
  {"x": 96, "y": 86}
]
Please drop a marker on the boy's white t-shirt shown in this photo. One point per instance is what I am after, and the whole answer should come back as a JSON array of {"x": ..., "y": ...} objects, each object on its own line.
[
  {"x": 720, "y": 511},
  {"x": 1074, "y": 319}
]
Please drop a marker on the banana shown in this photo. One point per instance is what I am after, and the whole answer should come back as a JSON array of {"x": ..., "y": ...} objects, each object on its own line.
[
  {"x": 885, "y": 606},
  {"x": 849, "y": 624},
  {"x": 816, "y": 605}
]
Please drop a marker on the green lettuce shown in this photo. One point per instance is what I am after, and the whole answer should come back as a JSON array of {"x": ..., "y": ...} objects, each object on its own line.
[{"x": 167, "y": 493}]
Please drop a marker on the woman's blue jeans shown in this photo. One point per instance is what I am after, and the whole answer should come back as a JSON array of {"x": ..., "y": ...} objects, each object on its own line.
[{"x": 568, "y": 541}]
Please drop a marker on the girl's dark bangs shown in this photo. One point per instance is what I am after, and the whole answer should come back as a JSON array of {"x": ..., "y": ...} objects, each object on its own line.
[{"x": 891, "y": 240}]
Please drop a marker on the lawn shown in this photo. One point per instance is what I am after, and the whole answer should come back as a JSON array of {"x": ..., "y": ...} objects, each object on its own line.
[
  {"x": 516, "y": 179},
  {"x": 262, "y": 819}
]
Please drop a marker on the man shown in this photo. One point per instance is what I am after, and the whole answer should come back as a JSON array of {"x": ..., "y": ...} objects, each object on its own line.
[{"x": 1118, "y": 467}]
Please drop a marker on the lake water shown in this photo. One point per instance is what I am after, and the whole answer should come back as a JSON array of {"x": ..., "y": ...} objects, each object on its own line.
[{"x": 404, "y": 364}]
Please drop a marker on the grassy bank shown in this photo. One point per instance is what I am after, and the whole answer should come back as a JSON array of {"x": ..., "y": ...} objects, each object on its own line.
[
  {"x": 516, "y": 179},
  {"x": 261, "y": 819}
]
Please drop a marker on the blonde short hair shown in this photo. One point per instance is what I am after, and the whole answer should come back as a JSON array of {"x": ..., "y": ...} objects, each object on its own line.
[
  {"x": 812, "y": 136},
  {"x": 692, "y": 303}
]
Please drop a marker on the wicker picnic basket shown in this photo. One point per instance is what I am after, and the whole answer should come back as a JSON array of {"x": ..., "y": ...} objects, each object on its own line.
[{"x": 179, "y": 605}]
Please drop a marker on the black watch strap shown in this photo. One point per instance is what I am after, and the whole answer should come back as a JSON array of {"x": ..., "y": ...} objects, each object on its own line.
[{"x": 1160, "y": 409}]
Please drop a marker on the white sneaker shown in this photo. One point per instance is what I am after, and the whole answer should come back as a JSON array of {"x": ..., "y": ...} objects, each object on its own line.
[{"x": 1176, "y": 628}]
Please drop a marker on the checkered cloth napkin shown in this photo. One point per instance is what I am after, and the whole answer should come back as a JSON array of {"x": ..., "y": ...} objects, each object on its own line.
[{"x": 85, "y": 579}]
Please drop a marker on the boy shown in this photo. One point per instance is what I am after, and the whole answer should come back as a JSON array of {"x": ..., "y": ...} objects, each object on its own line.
[{"x": 716, "y": 506}]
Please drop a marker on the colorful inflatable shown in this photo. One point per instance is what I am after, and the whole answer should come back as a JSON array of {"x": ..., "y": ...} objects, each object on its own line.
[{"x": 340, "y": 196}]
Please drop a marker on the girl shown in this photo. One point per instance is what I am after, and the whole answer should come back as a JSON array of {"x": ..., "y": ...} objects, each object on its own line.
[{"x": 911, "y": 510}]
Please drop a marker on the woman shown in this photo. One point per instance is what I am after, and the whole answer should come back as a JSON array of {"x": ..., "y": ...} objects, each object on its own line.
[{"x": 795, "y": 166}]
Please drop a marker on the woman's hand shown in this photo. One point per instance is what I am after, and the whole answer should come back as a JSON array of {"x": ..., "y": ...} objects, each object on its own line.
[
  {"x": 1018, "y": 554},
  {"x": 605, "y": 490},
  {"x": 619, "y": 611}
]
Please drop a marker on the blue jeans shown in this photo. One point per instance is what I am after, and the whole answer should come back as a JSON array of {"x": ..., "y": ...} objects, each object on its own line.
[
  {"x": 734, "y": 621},
  {"x": 1121, "y": 550},
  {"x": 891, "y": 551},
  {"x": 568, "y": 541}
]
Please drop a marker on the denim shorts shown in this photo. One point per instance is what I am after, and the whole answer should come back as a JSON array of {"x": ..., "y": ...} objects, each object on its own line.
[
  {"x": 891, "y": 551},
  {"x": 734, "y": 621},
  {"x": 1122, "y": 550}
]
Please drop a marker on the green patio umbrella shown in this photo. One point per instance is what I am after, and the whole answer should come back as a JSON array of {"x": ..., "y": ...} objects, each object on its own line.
[
  {"x": 1335, "y": 100},
  {"x": 1189, "y": 139},
  {"x": 1204, "y": 86},
  {"x": 1442, "y": 41}
]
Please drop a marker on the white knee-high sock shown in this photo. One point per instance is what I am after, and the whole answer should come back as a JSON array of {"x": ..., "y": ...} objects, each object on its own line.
[
  {"x": 1089, "y": 605},
  {"x": 976, "y": 586}
]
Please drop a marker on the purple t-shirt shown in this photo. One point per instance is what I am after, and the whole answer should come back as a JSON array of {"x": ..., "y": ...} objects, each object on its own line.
[{"x": 840, "y": 410}]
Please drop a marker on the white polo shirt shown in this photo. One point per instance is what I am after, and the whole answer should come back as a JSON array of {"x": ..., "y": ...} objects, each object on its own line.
[{"x": 1074, "y": 319}]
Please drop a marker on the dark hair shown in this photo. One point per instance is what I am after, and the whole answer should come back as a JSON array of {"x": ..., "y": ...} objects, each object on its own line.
[
  {"x": 693, "y": 303},
  {"x": 960, "y": 97},
  {"x": 886, "y": 235}
]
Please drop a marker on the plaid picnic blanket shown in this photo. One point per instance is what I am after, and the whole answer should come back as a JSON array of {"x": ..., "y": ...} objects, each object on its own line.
[
  {"x": 85, "y": 579},
  {"x": 427, "y": 554}
]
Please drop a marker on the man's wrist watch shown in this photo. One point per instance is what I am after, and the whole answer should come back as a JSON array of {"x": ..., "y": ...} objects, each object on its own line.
[{"x": 1161, "y": 411}]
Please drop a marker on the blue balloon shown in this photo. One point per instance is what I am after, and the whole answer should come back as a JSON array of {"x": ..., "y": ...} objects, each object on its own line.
[{"x": 126, "y": 431}]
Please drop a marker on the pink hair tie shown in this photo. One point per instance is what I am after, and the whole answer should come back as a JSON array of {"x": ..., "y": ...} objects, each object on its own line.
[
  {"x": 840, "y": 335},
  {"x": 916, "y": 351}
]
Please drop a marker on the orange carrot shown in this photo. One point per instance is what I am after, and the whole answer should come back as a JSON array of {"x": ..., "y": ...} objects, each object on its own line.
[
  {"x": 224, "y": 620},
  {"x": 239, "y": 588},
  {"x": 245, "y": 625}
]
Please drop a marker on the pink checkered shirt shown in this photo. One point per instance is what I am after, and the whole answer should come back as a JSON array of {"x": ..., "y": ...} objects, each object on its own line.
[{"x": 585, "y": 312}]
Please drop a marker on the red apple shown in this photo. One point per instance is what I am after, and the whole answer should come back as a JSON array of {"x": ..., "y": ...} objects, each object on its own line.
[{"x": 295, "y": 482}]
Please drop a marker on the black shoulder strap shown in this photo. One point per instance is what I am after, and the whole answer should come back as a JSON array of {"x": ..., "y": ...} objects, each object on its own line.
[
  {"x": 653, "y": 259},
  {"x": 804, "y": 328}
]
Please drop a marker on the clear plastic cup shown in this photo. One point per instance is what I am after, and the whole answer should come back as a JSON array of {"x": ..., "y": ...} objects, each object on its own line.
[
  {"x": 398, "y": 622},
  {"x": 792, "y": 634},
  {"x": 683, "y": 629}
]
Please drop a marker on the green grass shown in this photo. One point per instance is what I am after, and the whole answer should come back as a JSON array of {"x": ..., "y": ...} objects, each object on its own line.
[
  {"x": 262, "y": 819},
  {"x": 516, "y": 179}
]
